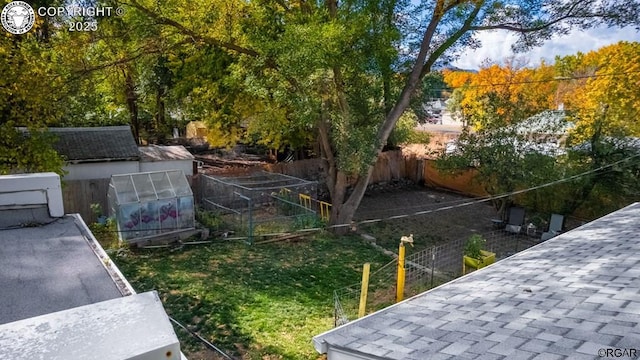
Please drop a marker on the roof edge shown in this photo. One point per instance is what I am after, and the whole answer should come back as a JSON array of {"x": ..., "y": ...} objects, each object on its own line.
[
  {"x": 323, "y": 343},
  {"x": 110, "y": 267},
  {"x": 103, "y": 160},
  {"x": 98, "y": 128}
]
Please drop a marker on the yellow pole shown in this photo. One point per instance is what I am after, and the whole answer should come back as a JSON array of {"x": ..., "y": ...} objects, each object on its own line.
[
  {"x": 400, "y": 284},
  {"x": 364, "y": 289}
]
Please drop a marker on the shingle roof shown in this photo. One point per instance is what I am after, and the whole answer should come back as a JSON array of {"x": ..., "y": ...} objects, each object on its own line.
[
  {"x": 96, "y": 143},
  {"x": 568, "y": 297},
  {"x": 546, "y": 122},
  {"x": 153, "y": 153}
]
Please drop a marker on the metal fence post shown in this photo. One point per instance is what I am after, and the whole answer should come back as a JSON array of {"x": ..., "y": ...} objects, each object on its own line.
[{"x": 433, "y": 263}]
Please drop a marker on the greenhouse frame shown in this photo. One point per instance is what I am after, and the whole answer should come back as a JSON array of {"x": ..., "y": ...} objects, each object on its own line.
[{"x": 151, "y": 204}]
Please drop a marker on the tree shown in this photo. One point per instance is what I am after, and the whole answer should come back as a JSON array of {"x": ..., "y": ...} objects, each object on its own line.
[
  {"x": 339, "y": 88},
  {"x": 506, "y": 158},
  {"x": 343, "y": 72},
  {"x": 601, "y": 88},
  {"x": 512, "y": 91},
  {"x": 36, "y": 90},
  {"x": 600, "y": 138}
]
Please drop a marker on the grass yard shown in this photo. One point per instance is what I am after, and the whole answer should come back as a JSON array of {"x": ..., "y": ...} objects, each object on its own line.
[{"x": 254, "y": 302}]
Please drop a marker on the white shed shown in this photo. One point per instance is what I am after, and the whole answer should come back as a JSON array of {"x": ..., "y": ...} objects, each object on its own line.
[
  {"x": 162, "y": 158},
  {"x": 96, "y": 152}
]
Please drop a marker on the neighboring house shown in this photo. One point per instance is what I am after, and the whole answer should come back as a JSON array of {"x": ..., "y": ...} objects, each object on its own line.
[
  {"x": 544, "y": 133},
  {"x": 629, "y": 144},
  {"x": 62, "y": 297},
  {"x": 99, "y": 152},
  {"x": 574, "y": 296},
  {"x": 94, "y": 154},
  {"x": 546, "y": 125}
]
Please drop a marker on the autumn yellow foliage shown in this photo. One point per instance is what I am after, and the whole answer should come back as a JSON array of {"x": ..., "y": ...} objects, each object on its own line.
[
  {"x": 513, "y": 91},
  {"x": 607, "y": 96},
  {"x": 600, "y": 91}
]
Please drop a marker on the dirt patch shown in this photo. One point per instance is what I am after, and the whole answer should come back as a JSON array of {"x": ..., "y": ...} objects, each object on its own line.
[{"x": 432, "y": 216}]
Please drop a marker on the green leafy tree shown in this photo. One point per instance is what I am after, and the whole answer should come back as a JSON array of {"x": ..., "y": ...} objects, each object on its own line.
[
  {"x": 317, "y": 63},
  {"x": 340, "y": 72},
  {"x": 511, "y": 157},
  {"x": 36, "y": 90},
  {"x": 505, "y": 159}
]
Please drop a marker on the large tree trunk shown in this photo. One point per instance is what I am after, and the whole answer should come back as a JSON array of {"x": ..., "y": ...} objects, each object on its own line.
[
  {"x": 132, "y": 104},
  {"x": 344, "y": 211},
  {"x": 160, "y": 114}
]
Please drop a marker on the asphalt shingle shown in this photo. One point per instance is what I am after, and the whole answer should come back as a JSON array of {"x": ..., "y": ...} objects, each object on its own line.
[
  {"x": 581, "y": 295},
  {"x": 95, "y": 143}
]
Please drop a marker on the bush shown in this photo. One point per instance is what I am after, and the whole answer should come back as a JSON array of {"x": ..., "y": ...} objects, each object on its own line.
[
  {"x": 405, "y": 131},
  {"x": 474, "y": 245}
]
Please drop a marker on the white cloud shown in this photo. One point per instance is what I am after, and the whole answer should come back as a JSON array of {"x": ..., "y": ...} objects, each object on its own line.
[{"x": 497, "y": 46}]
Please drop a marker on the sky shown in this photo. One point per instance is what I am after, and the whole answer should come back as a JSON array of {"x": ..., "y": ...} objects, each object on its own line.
[{"x": 497, "y": 46}]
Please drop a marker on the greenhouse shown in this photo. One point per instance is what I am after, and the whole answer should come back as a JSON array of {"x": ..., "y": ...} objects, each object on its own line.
[{"x": 151, "y": 204}]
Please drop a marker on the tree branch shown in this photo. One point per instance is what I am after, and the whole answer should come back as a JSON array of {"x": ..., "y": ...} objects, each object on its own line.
[
  {"x": 451, "y": 40},
  {"x": 412, "y": 81},
  {"x": 524, "y": 30},
  {"x": 194, "y": 35}
]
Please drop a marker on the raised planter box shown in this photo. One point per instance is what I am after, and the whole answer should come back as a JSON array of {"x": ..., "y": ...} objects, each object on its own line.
[{"x": 488, "y": 258}]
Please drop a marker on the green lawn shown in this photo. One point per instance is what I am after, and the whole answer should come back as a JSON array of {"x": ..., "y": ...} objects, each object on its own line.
[{"x": 256, "y": 302}]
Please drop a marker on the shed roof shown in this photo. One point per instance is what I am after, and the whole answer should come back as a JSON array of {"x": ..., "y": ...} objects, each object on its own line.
[
  {"x": 95, "y": 144},
  {"x": 153, "y": 153},
  {"x": 567, "y": 297},
  {"x": 53, "y": 267}
]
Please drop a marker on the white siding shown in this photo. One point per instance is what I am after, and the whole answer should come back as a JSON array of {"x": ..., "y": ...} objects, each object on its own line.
[
  {"x": 100, "y": 170},
  {"x": 185, "y": 165}
]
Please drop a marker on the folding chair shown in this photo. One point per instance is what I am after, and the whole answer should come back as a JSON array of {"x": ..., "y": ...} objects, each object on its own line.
[
  {"x": 555, "y": 227},
  {"x": 516, "y": 220}
]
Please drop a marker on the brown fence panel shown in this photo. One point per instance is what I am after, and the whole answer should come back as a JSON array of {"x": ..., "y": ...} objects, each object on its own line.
[
  {"x": 414, "y": 168},
  {"x": 78, "y": 195},
  {"x": 390, "y": 165},
  {"x": 463, "y": 183},
  {"x": 304, "y": 169}
]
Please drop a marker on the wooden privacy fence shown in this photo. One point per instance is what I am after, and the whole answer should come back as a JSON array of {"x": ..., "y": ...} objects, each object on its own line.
[
  {"x": 391, "y": 165},
  {"x": 78, "y": 195},
  {"x": 394, "y": 165},
  {"x": 462, "y": 182}
]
